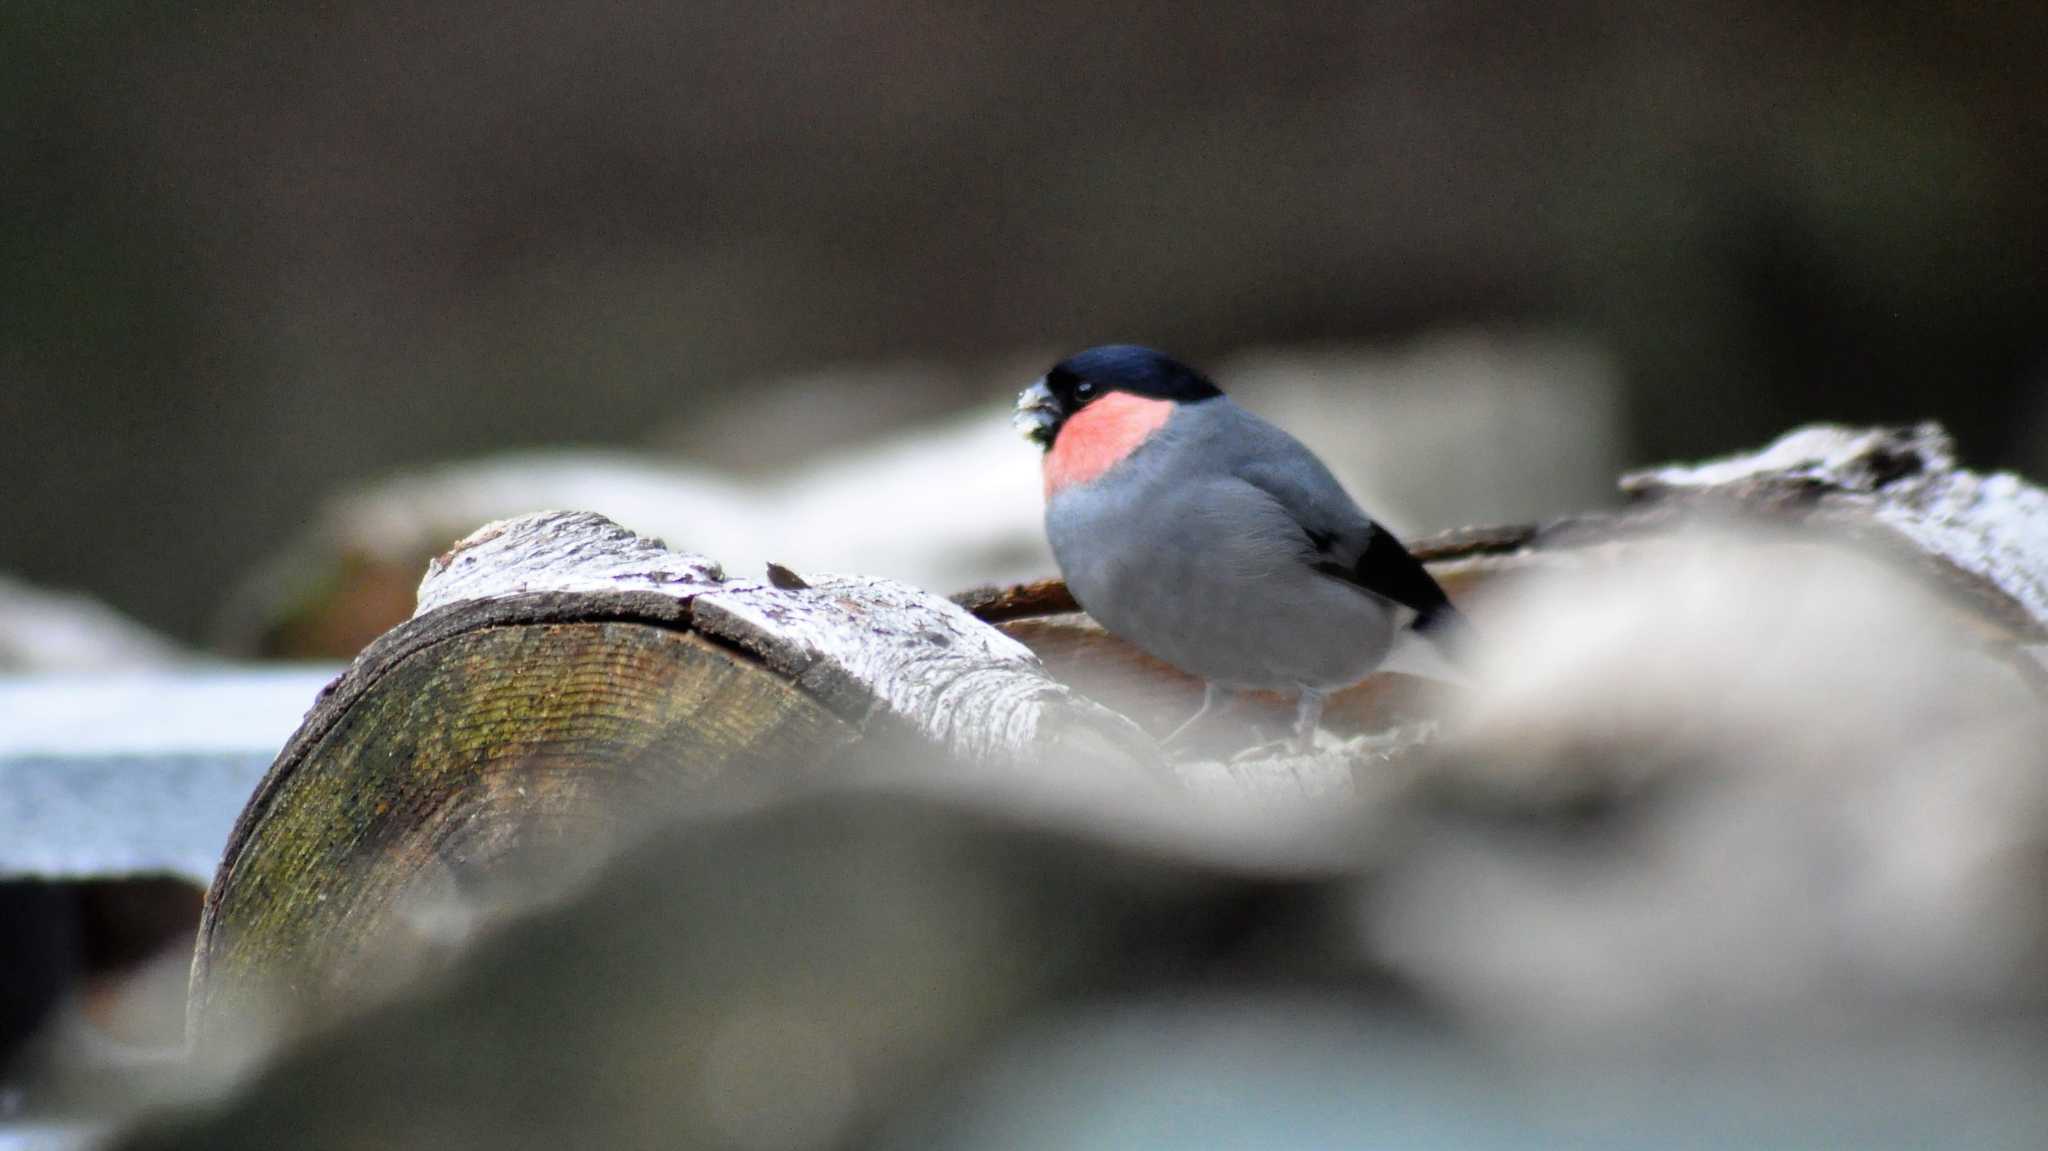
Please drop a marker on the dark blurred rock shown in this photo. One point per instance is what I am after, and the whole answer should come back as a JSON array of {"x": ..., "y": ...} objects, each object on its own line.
[
  {"x": 39, "y": 960},
  {"x": 90, "y": 968}
]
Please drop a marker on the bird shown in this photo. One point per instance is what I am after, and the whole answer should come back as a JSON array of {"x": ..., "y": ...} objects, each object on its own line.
[{"x": 1220, "y": 544}]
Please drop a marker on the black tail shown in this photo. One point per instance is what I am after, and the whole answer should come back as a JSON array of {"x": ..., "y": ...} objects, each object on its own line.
[{"x": 1449, "y": 629}]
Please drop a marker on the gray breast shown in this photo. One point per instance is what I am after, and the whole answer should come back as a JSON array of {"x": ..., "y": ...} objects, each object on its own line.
[{"x": 1174, "y": 553}]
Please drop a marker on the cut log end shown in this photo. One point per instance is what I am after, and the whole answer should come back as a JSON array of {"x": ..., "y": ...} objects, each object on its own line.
[
  {"x": 564, "y": 684},
  {"x": 475, "y": 759}
]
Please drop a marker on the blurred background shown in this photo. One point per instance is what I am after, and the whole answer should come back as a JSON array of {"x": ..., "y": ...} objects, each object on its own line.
[
  {"x": 257, "y": 255},
  {"x": 296, "y": 295}
]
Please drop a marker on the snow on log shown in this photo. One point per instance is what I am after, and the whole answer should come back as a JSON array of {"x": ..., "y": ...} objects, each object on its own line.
[
  {"x": 1901, "y": 481},
  {"x": 137, "y": 774},
  {"x": 871, "y": 648},
  {"x": 51, "y": 631}
]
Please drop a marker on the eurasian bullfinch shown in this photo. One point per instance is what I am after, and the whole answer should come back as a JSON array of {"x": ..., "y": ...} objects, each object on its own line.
[{"x": 1217, "y": 542}]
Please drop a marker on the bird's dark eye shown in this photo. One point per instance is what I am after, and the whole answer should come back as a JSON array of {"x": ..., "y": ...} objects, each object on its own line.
[{"x": 1084, "y": 388}]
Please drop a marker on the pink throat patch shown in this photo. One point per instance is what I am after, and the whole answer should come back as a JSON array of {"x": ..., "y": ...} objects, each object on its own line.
[{"x": 1096, "y": 437}]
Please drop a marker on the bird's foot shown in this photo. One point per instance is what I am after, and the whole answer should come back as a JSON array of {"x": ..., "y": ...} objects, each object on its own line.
[
  {"x": 1212, "y": 697},
  {"x": 1308, "y": 716}
]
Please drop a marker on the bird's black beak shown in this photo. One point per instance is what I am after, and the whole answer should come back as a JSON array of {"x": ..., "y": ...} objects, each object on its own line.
[{"x": 1037, "y": 414}]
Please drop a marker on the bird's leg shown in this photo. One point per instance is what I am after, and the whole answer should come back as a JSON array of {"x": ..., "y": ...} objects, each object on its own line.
[
  {"x": 1212, "y": 694},
  {"x": 1308, "y": 715}
]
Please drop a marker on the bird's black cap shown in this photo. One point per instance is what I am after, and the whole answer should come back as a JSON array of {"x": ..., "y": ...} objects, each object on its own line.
[
  {"x": 1082, "y": 378},
  {"x": 1127, "y": 368}
]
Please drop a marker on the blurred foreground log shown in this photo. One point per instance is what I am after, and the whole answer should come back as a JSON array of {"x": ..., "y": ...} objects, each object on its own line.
[
  {"x": 798, "y": 974},
  {"x": 565, "y": 683},
  {"x": 888, "y": 970}
]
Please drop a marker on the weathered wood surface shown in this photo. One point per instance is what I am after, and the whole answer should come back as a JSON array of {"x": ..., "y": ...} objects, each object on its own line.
[
  {"x": 563, "y": 684},
  {"x": 1984, "y": 537},
  {"x": 564, "y": 678}
]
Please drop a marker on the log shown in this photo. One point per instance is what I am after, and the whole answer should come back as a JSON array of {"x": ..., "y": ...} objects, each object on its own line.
[
  {"x": 790, "y": 974},
  {"x": 890, "y": 969},
  {"x": 1983, "y": 540},
  {"x": 563, "y": 683}
]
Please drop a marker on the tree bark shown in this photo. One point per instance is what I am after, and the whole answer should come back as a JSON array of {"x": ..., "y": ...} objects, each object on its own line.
[{"x": 564, "y": 682}]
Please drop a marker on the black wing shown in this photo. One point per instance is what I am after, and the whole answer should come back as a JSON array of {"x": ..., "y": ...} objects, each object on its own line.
[
  {"x": 1346, "y": 544},
  {"x": 1385, "y": 568}
]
